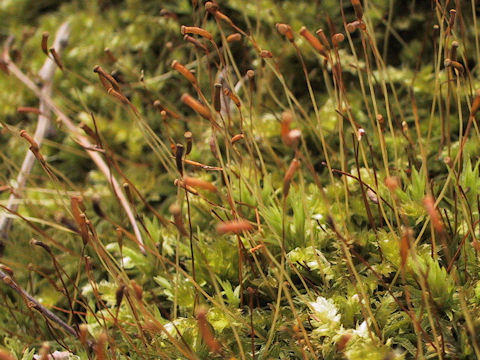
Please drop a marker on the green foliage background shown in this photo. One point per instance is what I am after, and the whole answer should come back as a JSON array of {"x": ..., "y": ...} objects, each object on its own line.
[{"x": 340, "y": 278}]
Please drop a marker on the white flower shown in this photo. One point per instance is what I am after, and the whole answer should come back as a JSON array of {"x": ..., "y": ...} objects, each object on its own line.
[
  {"x": 361, "y": 330},
  {"x": 325, "y": 310},
  {"x": 169, "y": 327},
  {"x": 357, "y": 299},
  {"x": 172, "y": 326},
  {"x": 325, "y": 317},
  {"x": 317, "y": 217}
]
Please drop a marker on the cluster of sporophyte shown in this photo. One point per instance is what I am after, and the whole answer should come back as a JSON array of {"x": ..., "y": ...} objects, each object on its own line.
[{"x": 242, "y": 180}]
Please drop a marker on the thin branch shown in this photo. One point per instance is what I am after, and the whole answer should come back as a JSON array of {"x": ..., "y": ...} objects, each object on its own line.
[{"x": 33, "y": 303}]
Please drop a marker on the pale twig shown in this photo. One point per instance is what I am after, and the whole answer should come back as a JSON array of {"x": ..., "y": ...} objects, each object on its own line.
[
  {"x": 46, "y": 74},
  {"x": 82, "y": 140}
]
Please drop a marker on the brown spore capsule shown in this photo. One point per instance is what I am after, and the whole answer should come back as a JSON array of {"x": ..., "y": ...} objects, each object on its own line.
[
  {"x": 199, "y": 183},
  {"x": 451, "y": 22},
  {"x": 44, "y": 45},
  {"x": 232, "y": 97},
  {"x": 285, "y": 30},
  {"x": 83, "y": 334},
  {"x": 292, "y": 169},
  {"x": 137, "y": 289},
  {"x": 106, "y": 76},
  {"x": 234, "y": 226},
  {"x": 236, "y": 138},
  {"x": 187, "y": 74},
  {"x": 453, "y": 50},
  {"x": 180, "y": 183},
  {"x": 33, "y": 143},
  {"x": 195, "y": 42},
  {"x": 117, "y": 95},
  {"x": 475, "y": 104},
  {"x": 234, "y": 37},
  {"x": 323, "y": 38},
  {"x": 110, "y": 55},
  {"x": 119, "y": 295},
  {"x": 316, "y": 44},
  {"x": 266, "y": 54},
  {"x": 197, "y": 31},
  {"x": 217, "y": 105},
  {"x": 211, "y": 7},
  {"x": 195, "y": 105},
  {"x": 176, "y": 211},
  {"x": 7, "y": 270},
  {"x": 189, "y": 141},
  {"x": 354, "y": 25},
  {"x": 206, "y": 332},
  {"x": 357, "y": 7},
  {"x": 337, "y": 39},
  {"x": 287, "y": 119},
  {"x": 178, "y": 158},
  {"x": 56, "y": 58},
  {"x": 28, "y": 109},
  {"x": 429, "y": 204}
]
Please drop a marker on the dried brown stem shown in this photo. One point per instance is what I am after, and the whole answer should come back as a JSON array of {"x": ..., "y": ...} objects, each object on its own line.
[{"x": 33, "y": 303}]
